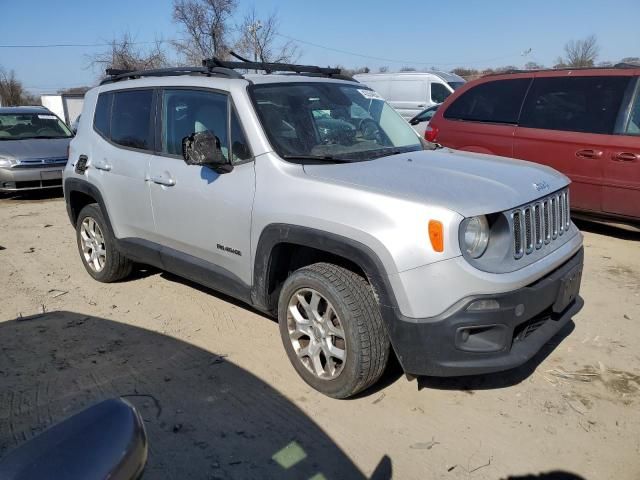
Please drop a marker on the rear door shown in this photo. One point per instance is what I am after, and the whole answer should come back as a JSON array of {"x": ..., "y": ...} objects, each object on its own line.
[
  {"x": 566, "y": 123},
  {"x": 409, "y": 97},
  {"x": 119, "y": 158},
  {"x": 483, "y": 118},
  {"x": 621, "y": 178}
]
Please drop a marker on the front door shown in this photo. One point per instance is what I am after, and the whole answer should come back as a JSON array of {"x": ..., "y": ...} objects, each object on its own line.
[
  {"x": 203, "y": 219},
  {"x": 567, "y": 123},
  {"x": 621, "y": 190}
]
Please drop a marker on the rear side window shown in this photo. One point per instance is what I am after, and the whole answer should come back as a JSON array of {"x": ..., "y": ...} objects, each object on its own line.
[
  {"x": 439, "y": 92},
  {"x": 575, "y": 104},
  {"x": 131, "y": 119},
  {"x": 103, "y": 114},
  {"x": 495, "y": 102}
]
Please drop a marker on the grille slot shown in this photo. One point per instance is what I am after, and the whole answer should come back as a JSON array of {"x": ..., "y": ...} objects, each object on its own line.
[{"x": 540, "y": 223}]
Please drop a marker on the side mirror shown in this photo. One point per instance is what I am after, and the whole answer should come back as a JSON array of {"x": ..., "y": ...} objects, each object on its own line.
[
  {"x": 107, "y": 440},
  {"x": 203, "y": 148},
  {"x": 414, "y": 121}
]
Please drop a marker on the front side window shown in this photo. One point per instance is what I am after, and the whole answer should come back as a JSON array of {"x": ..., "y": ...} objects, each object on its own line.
[
  {"x": 633, "y": 127},
  {"x": 131, "y": 124},
  {"x": 575, "y": 104},
  {"x": 439, "y": 92},
  {"x": 494, "y": 102},
  {"x": 23, "y": 126},
  {"x": 349, "y": 122},
  {"x": 185, "y": 112}
]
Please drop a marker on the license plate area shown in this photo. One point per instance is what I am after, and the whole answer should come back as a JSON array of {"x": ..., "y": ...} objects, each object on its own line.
[
  {"x": 51, "y": 175},
  {"x": 569, "y": 289}
]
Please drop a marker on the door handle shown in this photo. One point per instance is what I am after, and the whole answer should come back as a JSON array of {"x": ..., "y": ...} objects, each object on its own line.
[
  {"x": 626, "y": 157},
  {"x": 162, "y": 180},
  {"x": 589, "y": 153},
  {"x": 102, "y": 165},
  {"x": 421, "y": 106}
]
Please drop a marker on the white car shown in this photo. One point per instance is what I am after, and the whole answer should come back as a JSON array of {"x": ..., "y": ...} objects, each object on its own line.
[{"x": 421, "y": 121}]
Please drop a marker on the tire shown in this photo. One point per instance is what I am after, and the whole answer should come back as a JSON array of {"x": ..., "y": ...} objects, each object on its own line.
[
  {"x": 365, "y": 345},
  {"x": 114, "y": 265}
]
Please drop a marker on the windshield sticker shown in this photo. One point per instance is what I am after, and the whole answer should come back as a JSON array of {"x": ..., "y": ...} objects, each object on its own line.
[
  {"x": 47, "y": 117},
  {"x": 370, "y": 94}
]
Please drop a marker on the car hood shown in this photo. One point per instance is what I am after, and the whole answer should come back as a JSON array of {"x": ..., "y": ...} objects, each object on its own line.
[
  {"x": 468, "y": 183},
  {"x": 34, "y": 148}
]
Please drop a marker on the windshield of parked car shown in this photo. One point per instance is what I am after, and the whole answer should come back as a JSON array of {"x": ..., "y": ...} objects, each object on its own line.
[
  {"x": 331, "y": 121},
  {"x": 21, "y": 126}
]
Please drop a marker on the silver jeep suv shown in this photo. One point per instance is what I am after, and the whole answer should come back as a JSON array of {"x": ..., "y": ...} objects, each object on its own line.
[{"x": 306, "y": 196}]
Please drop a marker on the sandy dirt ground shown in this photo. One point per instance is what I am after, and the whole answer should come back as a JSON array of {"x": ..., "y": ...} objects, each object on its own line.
[{"x": 220, "y": 399}]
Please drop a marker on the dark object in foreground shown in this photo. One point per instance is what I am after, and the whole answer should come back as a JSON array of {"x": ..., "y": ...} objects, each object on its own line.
[{"x": 107, "y": 440}]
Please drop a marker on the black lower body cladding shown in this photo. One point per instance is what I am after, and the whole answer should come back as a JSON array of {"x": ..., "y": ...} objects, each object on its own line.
[{"x": 469, "y": 342}]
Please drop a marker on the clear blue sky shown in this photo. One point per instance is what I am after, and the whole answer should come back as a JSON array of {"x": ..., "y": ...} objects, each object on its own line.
[{"x": 441, "y": 33}]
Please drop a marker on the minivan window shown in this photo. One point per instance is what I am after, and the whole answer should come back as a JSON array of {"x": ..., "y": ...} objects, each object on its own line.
[
  {"x": 575, "y": 104},
  {"x": 496, "y": 102},
  {"x": 131, "y": 119},
  {"x": 455, "y": 85},
  {"x": 633, "y": 127},
  {"x": 439, "y": 92},
  {"x": 185, "y": 112},
  {"x": 103, "y": 114}
]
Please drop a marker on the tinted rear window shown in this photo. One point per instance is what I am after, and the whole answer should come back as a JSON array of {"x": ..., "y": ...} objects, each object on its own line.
[
  {"x": 576, "y": 104},
  {"x": 103, "y": 114},
  {"x": 495, "y": 102},
  {"x": 131, "y": 119}
]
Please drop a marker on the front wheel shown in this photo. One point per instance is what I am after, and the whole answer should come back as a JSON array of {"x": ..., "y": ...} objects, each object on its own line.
[{"x": 332, "y": 330}]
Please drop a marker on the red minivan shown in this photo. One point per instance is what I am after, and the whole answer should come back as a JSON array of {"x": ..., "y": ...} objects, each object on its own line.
[{"x": 582, "y": 122}]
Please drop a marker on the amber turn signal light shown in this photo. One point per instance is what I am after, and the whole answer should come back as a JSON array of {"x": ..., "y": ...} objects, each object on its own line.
[{"x": 436, "y": 235}]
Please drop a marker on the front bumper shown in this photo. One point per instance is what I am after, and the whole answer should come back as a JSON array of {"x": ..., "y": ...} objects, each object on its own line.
[
  {"x": 19, "y": 179},
  {"x": 462, "y": 342}
]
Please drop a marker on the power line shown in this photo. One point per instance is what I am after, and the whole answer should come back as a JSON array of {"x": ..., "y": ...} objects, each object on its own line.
[
  {"x": 74, "y": 45},
  {"x": 390, "y": 60}
]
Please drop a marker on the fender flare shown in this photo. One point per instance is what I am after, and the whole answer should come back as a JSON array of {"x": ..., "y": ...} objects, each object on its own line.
[
  {"x": 82, "y": 186},
  {"x": 358, "y": 253}
]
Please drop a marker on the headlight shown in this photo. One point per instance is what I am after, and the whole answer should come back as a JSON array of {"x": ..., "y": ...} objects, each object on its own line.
[
  {"x": 5, "y": 162},
  {"x": 476, "y": 236}
]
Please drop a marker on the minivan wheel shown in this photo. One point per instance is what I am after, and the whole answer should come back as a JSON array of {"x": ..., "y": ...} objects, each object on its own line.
[
  {"x": 100, "y": 256},
  {"x": 332, "y": 330}
]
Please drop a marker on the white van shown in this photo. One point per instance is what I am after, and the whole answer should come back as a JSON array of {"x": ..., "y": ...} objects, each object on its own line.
[{"x": 412, "y": 92}]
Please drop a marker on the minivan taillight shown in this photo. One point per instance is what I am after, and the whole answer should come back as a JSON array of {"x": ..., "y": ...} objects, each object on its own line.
[{"x": 431, "y": 133}]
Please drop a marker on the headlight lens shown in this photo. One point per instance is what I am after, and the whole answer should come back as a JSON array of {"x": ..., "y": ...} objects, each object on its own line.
[{"x": 476, "y": 236}]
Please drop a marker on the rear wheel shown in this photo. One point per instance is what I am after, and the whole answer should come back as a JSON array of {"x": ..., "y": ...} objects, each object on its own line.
[
  {"x": 98, "y": 251},
  {"x": 332, "y": 330}
]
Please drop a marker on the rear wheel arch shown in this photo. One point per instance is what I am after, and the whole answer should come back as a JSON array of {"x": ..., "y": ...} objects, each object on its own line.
[
  {"x": 78, "y": 194},
  {"x": 284, "y": 248}
]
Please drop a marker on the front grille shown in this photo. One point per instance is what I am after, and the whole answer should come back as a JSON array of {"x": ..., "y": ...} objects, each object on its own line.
[
  {"x": 40, "y": 163},
  {"x": 540, "y": 223}
]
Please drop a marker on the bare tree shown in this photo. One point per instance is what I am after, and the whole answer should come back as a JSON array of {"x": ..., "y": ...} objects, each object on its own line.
[
  {"x": 407, "y": 69},
  {"x": 259, "y": 40},
  {"x": 12, "y": 93},
  {"x": 125, "y": 54},
  {"x": 632, "y": 60},
  {"x": 205, "y": 26},
  {"x": 383, "y": 69},
  {"x": 581, "y": 53},
  {"x": 533, "y": 66}
]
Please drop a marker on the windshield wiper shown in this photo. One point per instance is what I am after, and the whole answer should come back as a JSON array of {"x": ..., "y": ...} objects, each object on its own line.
[{"x": 321, "y": 158}]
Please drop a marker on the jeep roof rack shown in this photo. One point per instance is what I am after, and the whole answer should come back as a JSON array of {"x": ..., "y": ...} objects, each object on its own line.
[
  {"x": 268, "y": 67},
  {"x": 115, "y": 74}
]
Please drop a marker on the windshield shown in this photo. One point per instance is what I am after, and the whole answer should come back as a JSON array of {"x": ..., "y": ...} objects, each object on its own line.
[
  {"x": 331, "y": 120},
  {"x": 455, "y": 85},
  {"x": 20, "y": 126}
]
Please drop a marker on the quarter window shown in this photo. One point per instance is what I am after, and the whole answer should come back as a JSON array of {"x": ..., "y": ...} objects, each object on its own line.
[
  {"x": 185, "y": 112},
  {"x": 131, "y": 119},
  {"x": 103, "y": 114},
  {"x": 495, "y": 102},
  {"x": 439, "y": 92},
  {"x": 575, "y": 104},
  {"x": 239, "y": 147}
]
